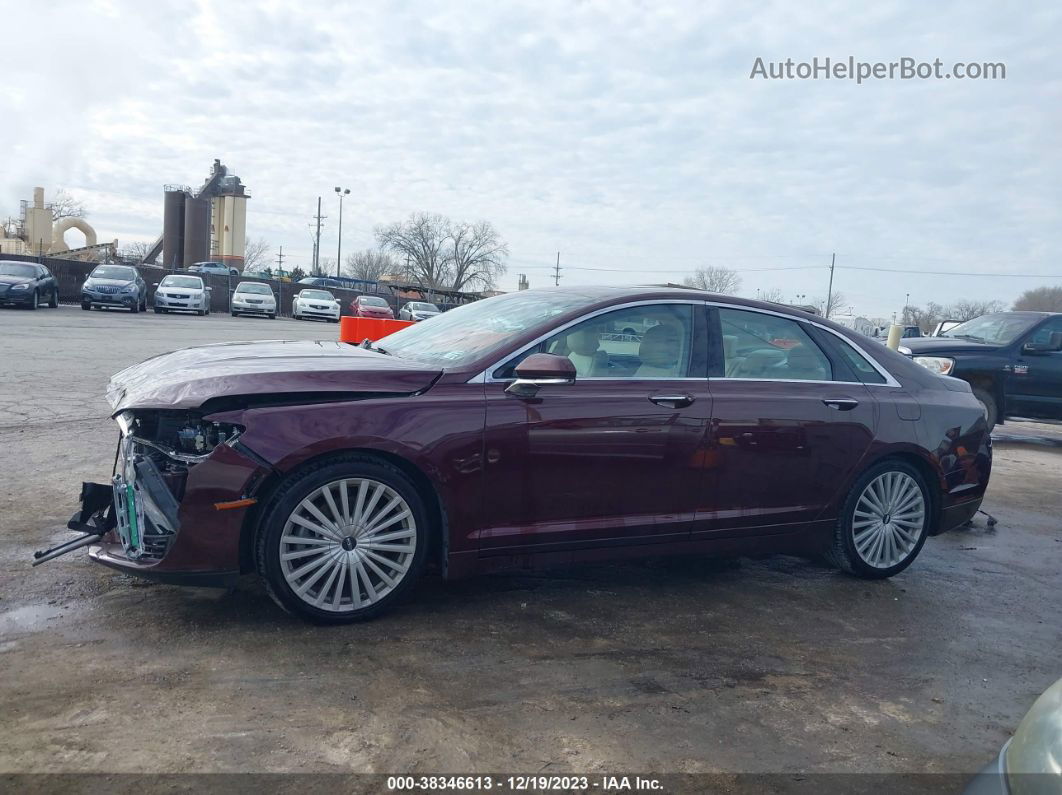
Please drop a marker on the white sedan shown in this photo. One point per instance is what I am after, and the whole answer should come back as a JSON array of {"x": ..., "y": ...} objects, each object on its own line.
[
  {"x": 177, "y": 293},
  {"x": 254, "y": 298},
  {"x": 315, "y": 303}
]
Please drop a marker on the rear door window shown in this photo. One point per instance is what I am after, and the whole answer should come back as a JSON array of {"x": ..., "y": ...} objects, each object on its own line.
[{"x": 770, "y": 347}]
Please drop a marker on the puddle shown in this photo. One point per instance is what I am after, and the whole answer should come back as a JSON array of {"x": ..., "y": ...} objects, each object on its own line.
[{"x": 31, "y": 618}]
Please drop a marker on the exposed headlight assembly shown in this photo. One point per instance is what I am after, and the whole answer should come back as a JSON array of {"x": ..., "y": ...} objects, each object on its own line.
[
  {"x": 20, "y": 287},
  {"x": 941, "y": 365}
]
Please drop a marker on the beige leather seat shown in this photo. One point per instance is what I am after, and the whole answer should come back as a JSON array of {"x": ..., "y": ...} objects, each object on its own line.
[{"x": 659, "y": 352}]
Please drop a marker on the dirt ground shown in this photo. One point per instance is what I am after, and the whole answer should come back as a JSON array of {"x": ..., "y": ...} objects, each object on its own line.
[{"x": 771, "y": 665}]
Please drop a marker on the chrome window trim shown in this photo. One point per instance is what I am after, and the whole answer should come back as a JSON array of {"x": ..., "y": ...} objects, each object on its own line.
[
  {"x": 485, "y": 377},
  {"x": 890, "y": 380}
]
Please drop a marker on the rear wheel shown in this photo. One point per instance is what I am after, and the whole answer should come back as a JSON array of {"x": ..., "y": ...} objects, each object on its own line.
[
  {"x": 988, "y": 406},
  {"x": 54, "y": 302},
  {"x": 884, "y": 522},
  {"x": 343, "y": 540}
]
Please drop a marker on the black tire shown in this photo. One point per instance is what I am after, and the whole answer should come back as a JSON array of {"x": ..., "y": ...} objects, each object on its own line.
[
  {"x": 36, "y": 301},
  {"x": 86, "y": 307},
  {"x": 235, "y": 314},
  {"x": 134, "y": 308},
  {"x": 54, "y": 302},
  {"x": 273, "y": 316},
  {"x": 988, "y": 405},
  {"x": 158, "y": 311},
  {"x": 298, "y": 486},
  {"x": 843, "y": 552},
  {"x": 143, "y": 305},
  {"x": 200, "y": 312}
]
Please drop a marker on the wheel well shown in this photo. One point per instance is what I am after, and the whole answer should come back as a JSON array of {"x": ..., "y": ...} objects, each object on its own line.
[
  {"x": 432, "y": 503},
  {"x": 929, "y": 475}
]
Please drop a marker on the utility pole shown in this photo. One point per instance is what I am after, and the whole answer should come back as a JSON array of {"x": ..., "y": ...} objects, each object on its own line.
[
  {"x": 317, "y": 240},
  {"x": 906, "y": 303},
  {"x": 280, "y": 259},
  {"x": 556, "y": 271},
  {"x": 829, "y": 290}
]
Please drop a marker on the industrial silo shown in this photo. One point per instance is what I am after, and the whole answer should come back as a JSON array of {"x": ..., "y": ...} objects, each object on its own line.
[
  {"x": 173, "y": 227},
  {"x": 196, "y": 230}
]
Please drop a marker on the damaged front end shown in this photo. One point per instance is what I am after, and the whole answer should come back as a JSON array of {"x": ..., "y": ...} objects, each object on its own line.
[
  {"x": 155, "y": 453},
  {"x": 171, "y": 467}
]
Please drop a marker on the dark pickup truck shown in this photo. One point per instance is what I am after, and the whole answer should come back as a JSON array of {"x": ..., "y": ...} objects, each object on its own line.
[{"x": 1013, "y": 361}]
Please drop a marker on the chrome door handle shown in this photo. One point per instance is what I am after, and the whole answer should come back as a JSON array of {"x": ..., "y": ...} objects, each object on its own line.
[
  {"x": 672, "y": 401},
  {"x": 841, "y": 404}
]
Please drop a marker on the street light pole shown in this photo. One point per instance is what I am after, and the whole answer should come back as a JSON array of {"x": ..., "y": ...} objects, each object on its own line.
[{"x": 341, "y": 192}]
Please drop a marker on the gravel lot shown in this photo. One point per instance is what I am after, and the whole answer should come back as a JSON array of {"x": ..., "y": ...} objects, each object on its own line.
[{"x": 771, "y": 665}]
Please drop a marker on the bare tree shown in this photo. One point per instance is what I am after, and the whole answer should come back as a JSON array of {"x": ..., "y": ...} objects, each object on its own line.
[
  {"x": 925, "y": 318},
  {"x": 836, "y": 304},
  {"x": 774, "y": 296},
  {"x": 326, "y": 266},
  {"x": 714, "y": 279},
  {"x": 1041, "y": 299},
  {"x": 423, "y": 239},
  {"x": 476, "y": 255},
  {"x": 63, "y": 205},
  {"x": 968, "y": 310},
  {"x": 255, "y": 253},
  {"x": 137, "y": 250},
  {"x": 369, "y": 264}
]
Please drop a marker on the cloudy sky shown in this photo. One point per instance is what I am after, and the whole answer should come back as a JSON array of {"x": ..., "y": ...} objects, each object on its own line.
[{"x": 628, "y": 136}]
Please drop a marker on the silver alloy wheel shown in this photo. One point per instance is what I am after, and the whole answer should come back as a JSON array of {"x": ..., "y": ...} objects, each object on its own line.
[
  {"x": 348, "y": 544},
  {"x": 889, "y": 518}
]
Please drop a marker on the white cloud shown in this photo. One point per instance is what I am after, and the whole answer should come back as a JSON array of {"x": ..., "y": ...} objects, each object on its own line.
[{"x": 625, "y": 135}]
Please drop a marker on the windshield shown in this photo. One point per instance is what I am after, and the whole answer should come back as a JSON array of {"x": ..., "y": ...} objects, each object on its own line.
[
  {"x": 187, "y": 282},
  {"x": 113, "y": 272},
  {"x": 462, "y": 335},
  {"x": 316, "y": 295},
  {"x": 1001, "y": 329},
  {"x": 370, "y": 300},
  {"x": 254, "y": 287},
  {"x": 421, "y": 306},
  {"x": 17, "y": 269}
]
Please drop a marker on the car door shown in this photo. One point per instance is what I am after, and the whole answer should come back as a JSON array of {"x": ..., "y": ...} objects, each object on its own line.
[
  {"x": 615, "y": 456},
  {"x": 790, "y": 422},
  {"x": 1034, "y": 385}
]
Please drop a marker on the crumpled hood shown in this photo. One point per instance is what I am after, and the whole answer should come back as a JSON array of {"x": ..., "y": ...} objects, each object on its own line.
[{"x": 187, "y": 378}]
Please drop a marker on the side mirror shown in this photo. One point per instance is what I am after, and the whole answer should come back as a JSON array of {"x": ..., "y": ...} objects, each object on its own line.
[
  {"x": 209, "y": 289},
  {"x": 539, "y": 370},
  {"x": 154, "y": 284}
]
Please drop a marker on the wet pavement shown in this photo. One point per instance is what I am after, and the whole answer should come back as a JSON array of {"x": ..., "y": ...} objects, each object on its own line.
[{"x": 691, "y": 665}]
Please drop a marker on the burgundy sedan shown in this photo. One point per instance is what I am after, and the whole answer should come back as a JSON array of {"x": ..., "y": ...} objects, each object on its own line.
[
  {"x": 371, "y": 306},
  {"x": 534, "y": 428}
]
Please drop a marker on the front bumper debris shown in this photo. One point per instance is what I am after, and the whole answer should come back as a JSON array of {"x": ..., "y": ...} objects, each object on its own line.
[{"x": 95, "y": 519}]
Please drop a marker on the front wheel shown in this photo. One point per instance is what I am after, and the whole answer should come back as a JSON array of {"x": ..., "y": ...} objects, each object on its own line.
[
  {"x": 54, "y": 302},
  {"x": 36, "y": 300},
  {"x": 341, "y": 541},
  {"x": 884, "y": 522},
  {"x": 88, "y": 307},
  {"x": 988, "y": 406}
]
